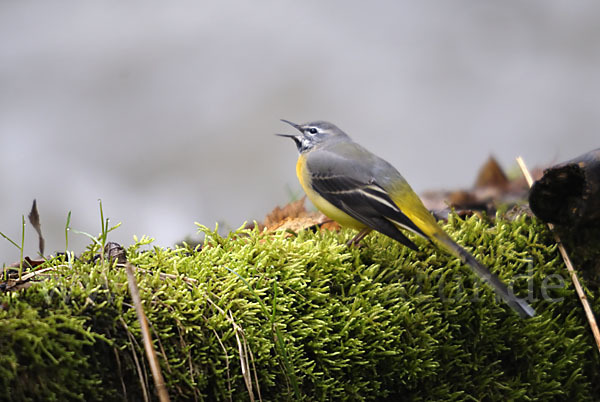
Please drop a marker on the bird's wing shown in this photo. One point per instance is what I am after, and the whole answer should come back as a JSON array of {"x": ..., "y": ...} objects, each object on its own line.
[{"x": 355, "y": 191}]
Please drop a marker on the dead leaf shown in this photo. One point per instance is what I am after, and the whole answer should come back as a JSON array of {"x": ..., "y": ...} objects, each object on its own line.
[
  {"x": 294, "y": 209},
  {"x": 28, "y": 263},
  {"x": 295, "y": 217},
  {"x": 491, "y": 175},
  {"x": 34, "y": 219}
]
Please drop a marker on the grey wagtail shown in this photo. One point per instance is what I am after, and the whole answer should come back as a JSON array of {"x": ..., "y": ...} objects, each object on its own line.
[{"x": 360, "y": 190}]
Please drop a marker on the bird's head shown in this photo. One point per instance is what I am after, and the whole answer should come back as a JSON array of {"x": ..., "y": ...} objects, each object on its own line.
[{"x": 313, "y": 134}]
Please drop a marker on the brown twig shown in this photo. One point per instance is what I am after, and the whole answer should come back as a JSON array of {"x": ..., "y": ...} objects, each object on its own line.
[
  {"x": 563, "y": 252},
  {"x": 159, "y": 381}
]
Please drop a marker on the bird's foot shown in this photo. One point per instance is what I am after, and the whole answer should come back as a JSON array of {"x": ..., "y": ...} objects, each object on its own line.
[{"x": 354, "y": 242}]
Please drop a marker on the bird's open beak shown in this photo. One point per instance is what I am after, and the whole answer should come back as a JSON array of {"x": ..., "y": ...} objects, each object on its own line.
[
  {"x": 296, "y": 126},
  {"x": 297, "y": 138}
]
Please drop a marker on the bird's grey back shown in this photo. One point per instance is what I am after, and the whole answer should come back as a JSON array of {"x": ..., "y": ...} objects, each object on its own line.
[{"x": 344, "y": 157}]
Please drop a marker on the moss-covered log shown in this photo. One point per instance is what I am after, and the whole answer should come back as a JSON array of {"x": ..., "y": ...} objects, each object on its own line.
[{"x": 377, "y": 322}]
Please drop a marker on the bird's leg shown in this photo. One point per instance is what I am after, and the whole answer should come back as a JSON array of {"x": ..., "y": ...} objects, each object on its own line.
[{"x": 356, "y": 239}]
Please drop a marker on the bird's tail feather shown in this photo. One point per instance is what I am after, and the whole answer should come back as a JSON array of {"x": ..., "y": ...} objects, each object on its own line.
[{"x": 519, "y": 305}]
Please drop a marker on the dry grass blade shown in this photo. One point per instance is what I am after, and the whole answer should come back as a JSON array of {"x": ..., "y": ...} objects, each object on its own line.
[
  {"x": 563, "y": 252},
  {"x": 38, "y": 272},
  {"x": 136, "y": 361},
  {"x": 255, "y": 373},
  {"x": 243, "y": 351},
  {"x": 120, "y": 373},
  {"x": 226, "y": 363},
  {"x": 22, "y": 283},
  {"x": 159, "y": 381}
]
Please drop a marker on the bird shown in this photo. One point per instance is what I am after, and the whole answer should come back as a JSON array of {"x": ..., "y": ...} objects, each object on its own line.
[{"x": 360, "y": 190}]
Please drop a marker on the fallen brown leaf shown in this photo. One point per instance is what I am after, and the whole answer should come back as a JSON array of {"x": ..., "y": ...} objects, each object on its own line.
[
  {"x": 295, "y": 217},
  {"x": 27, "y": 262}
]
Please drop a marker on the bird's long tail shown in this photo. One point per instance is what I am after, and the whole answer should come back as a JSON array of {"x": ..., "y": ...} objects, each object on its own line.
[{"x": 519, "y": 305}]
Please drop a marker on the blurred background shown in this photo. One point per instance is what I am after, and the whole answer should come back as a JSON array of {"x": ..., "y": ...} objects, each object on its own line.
[{"x": 166, "y": 112}]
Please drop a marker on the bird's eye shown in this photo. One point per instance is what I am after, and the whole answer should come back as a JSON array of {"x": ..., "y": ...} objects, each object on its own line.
[{"x": 313, "y": 130}]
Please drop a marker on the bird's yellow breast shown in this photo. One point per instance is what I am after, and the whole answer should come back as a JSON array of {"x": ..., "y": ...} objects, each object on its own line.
[{"x": 321, "y": 203}]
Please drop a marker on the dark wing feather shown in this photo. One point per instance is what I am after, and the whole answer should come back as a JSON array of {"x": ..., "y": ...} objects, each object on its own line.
[{"x": 367, "y": 202}]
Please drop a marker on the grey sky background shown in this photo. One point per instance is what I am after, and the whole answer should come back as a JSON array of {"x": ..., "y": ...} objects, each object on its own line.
[{"x": 167, "y": 111}]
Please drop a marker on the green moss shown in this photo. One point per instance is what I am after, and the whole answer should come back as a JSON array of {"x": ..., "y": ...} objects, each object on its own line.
[{"x": 375, "y": 322}]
